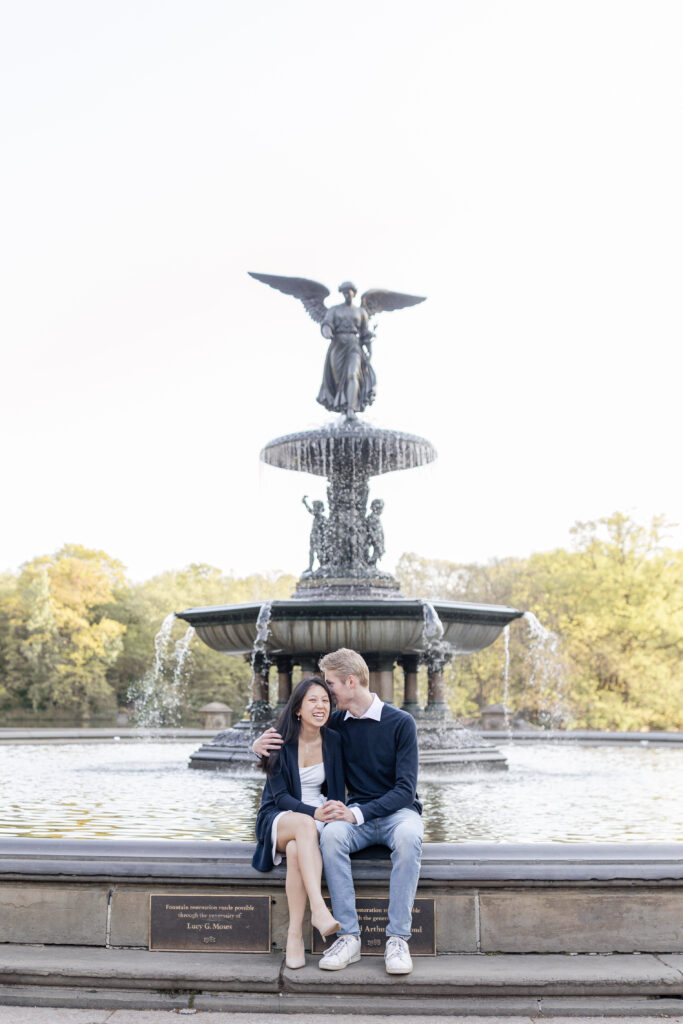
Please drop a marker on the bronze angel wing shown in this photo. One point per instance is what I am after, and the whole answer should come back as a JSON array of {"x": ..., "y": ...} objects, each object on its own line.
[
  {"x": 379, "y": 300},
  {"x": 310, "y": 293}
]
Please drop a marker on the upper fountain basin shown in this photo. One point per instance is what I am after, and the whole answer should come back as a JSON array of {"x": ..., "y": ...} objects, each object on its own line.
[
  {"x": 348, "y": 444},
  {"x": 312, "y": 627}
]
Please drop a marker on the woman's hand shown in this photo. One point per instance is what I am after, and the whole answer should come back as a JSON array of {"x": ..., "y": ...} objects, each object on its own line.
[
  {"x": 334, "y": 810},
  {"x": 265, "y": 743}
]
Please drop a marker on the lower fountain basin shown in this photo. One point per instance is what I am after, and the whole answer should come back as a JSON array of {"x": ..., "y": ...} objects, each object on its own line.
[
  {"x": 383, "y": 630},
  {"x": 313, "y": 627}
]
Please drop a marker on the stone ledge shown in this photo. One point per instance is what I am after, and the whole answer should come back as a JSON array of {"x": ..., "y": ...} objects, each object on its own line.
[
  {"x": 585, "y": 736},
  {"x": 517, "y": 899},
  {"x": 101, "y": 735},
  {"x": 133, "y": 968},
  {"x": 365, "y": 1007},
  {"x": 449, "y": 864},
  {"x": 475, "y": 974}
]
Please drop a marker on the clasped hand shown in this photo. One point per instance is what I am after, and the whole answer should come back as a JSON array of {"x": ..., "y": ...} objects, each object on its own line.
[
  {"x": 331, "y": 810},
  {"x": 334, "y": 810}
]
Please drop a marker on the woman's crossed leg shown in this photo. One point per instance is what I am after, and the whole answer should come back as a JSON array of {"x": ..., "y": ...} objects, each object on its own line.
[{"x": 297, "y": 838}]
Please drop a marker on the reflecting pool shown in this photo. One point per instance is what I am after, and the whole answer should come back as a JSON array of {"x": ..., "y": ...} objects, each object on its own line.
[{"x": 553, "y": 792}]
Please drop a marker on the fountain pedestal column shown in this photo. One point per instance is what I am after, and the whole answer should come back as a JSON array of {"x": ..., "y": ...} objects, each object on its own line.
[
  {"x": 409, "y": 663},
  {"x": 382, "y": 677},
  {"x": 436, "y": 691},
  {"x": 284, "y": 681},
  {"x": 259, "y": 709}
]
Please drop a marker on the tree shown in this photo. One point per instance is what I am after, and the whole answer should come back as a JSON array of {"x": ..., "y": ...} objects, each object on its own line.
[
  {"x": 623, "y": 622},
  {"x": 8, "y": 586},
  {"x": 615, "y": 606},
  {"x": 209, "y": 675},
  {"x": 59, "y": 640}
]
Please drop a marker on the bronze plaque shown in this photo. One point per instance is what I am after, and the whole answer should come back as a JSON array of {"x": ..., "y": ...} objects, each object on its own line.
[
  {"x": 209, "y": 924},
  {"x": 373, "y": 917}
]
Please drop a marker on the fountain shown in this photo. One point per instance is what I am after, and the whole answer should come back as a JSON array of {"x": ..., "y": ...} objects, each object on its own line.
[
  {"x": 347, "y": 600},
  {"x": 77, "y": 911}
]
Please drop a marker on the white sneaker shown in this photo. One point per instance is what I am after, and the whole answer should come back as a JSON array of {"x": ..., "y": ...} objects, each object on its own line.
[
  {"x": 397, "y": 958},
  {"x": 345, "y": 951}
]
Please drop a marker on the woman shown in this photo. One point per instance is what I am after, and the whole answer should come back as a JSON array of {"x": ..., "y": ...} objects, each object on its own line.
[{"x": 302, "y": 775}]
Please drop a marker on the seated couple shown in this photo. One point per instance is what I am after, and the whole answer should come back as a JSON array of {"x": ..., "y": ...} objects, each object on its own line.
[{"x": 368, "y": 749}]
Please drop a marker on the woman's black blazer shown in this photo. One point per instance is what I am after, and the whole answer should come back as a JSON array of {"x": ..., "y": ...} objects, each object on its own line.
[{"x": 282, "y": 792}]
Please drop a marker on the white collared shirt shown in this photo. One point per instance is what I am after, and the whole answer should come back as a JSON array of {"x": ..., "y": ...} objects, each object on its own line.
[{"x": 374, "y": 712}]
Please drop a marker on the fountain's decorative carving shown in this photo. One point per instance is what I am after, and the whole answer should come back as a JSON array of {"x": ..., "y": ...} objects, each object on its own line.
[
  {"x": 318, "y": 543},
  {"x": 347, "y": 600},
  {"x": 374, "y": 533},
  {"x": 349, "y": 542}
]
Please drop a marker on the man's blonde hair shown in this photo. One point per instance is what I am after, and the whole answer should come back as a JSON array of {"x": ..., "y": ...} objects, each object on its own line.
[{"x": 346, "y": 662}]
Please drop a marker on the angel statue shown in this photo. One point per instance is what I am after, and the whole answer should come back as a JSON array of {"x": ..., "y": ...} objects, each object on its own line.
[{"x": 348, "y": 377}]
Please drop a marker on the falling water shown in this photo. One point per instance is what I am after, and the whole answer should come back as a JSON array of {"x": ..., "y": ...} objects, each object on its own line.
[
  {"x": 161, "y": 643},
  {"x": 436, "y": 649},
  {"x": 182, "y": 649},
  {"x": 326, "y": 449},
  {"x": 259, "y": 710},
  {"x": 262, "y": 631},
  {"x": 432, "y": 628},
  {"x": 539, "y": 633},
  {"x": 546, "y": 671},
  {"x": 159, "y": 697},
  {"x": 506, "y": 678}
]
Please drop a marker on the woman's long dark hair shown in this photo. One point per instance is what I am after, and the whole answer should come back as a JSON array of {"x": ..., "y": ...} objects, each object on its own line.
[{"x": 288, "y": 725}]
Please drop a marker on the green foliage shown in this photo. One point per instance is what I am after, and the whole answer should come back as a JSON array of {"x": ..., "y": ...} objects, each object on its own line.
[
  {"x": 615, "y": 603},
  {"x": 210, "y": 674},
  {"x": 8, "y": 585},
  {"x": 58, "y": 641},
  {"x": 76, "y": 636}
]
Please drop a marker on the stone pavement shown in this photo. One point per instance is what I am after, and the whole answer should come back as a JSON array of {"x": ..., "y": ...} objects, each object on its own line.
[
  {"x": 121, "y": 985},
  {"x": 49, "y": 1015}
]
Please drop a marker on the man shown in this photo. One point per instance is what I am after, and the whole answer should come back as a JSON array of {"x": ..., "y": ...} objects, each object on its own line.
[{"x": 379, "y": 743}]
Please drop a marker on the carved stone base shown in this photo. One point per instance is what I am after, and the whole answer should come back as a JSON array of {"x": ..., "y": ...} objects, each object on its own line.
[
  {"x": 444, "y": 745},
  {"x": 334, "y": 588},
  {"x": 447, "y": 746},
  {"x": 231, "y": 749}
]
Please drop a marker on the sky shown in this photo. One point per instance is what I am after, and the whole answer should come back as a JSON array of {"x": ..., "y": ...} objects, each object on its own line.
[{"x": 519, "y": 163}]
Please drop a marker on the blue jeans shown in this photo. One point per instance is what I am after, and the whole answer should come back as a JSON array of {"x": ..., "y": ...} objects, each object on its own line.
[{"x": 402, "y": 833}]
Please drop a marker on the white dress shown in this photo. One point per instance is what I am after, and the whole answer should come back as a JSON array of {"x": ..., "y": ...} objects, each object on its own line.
[{"x": 312, "y": 779}]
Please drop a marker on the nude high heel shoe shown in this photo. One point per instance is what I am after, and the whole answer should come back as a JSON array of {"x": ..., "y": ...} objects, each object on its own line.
[
  {"x": 294, "y": 954},
  {"x": 325, "y": 923}
]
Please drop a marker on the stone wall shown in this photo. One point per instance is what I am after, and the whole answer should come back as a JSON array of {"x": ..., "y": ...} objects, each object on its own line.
[{"x": 544, "y": 898}]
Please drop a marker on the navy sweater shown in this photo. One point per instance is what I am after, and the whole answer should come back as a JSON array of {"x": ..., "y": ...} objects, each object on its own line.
[{"x": 380, "y": 761}]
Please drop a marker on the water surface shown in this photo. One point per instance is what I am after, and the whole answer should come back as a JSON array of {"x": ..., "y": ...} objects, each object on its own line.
[{"x": 135, "y": 790}]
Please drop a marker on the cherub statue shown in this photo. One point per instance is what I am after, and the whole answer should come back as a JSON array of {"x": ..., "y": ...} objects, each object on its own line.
[
  {"x": 348, "y": 378},
  {"x": 374, "y": 533},
  {"x": 318, "y": 540}
]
